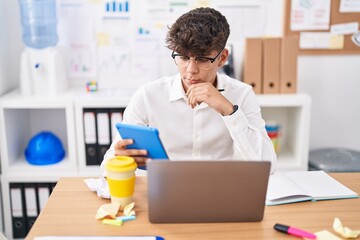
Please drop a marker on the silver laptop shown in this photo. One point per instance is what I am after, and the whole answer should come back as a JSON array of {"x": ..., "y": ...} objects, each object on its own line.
[{"x": 207, "y": 191}]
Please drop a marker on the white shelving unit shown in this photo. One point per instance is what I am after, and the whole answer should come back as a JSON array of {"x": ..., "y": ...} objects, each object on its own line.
[
  {"x": 21, "y": 117},
  {"x": 292, "y": 113}
]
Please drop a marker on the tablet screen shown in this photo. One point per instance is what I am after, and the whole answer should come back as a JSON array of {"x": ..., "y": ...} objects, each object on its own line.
[{"x": 144, "y": 138}]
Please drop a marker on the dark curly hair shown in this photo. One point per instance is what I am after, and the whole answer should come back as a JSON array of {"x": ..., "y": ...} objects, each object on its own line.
[{"x": 200, "y": 31}]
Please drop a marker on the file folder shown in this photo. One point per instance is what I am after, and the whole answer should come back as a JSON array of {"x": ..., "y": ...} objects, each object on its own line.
[
  {"x": 116, "y": 116},
  {"x": 17, "y": 199},
  {"x": 103, "y": 133},
  {"x": 289, "y": 53},
  {"x": 31, "y": 204},
  {"x": 43, "y": 193},
  {"x": 90, "y": 136},
  {"x": 271, "y": 68},
  {"x": 252, "y": 74}
]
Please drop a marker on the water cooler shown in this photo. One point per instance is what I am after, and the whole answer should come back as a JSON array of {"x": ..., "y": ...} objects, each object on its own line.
[{"x": 43, "y": 69}]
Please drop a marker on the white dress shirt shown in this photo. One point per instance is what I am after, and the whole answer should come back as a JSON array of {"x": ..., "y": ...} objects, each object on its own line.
[{"x": 201, "y": 133}]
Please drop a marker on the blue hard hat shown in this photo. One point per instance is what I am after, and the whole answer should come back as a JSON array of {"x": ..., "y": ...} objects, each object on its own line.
[{"x": 44, "y": 148}]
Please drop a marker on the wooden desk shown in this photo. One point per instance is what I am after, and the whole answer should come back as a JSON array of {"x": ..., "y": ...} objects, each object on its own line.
[{"x": 71, "y": 211}]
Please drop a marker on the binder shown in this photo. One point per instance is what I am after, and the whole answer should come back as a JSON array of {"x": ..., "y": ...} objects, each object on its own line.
[
  {"x": 17, "y": 199},
  {"x": 289, "y": 52},
  {"x": 31, "y": 204},
  {"x": 271, "y": 68},
  {"x": 253, "y": 64},
  {"x": 52, "y": 185},
  {"x": 103, "y": 133},
  {"x": 43, "y": 193},
  {"x": 116, "y": 116},
  {"x": 90, "y": 136}
]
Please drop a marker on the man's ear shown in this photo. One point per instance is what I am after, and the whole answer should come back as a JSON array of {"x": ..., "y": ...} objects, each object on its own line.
[{"x": 223, "y": 57}]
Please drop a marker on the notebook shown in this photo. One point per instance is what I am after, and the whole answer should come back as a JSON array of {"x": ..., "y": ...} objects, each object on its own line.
[
  {"x": 301, "y": 186},
  {"x": 207, "y": 191}
]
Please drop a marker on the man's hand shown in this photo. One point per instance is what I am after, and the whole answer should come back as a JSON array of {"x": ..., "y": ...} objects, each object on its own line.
[
  {"x": 139, "y": 155},
  {"x": 207, "y": 93}
]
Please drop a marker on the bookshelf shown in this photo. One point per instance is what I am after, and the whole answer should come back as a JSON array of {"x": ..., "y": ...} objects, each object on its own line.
[
  {"x": 21, "y": 117},
  {"x": 292, "y": 113}
]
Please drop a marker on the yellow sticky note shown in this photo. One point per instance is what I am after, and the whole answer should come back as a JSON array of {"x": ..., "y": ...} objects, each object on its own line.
[
  {"x": 103, "y": 39},
  {"x": 113, "y": 222},
  {"x": 202, "y": 3},
  {"x": 336, "y": 42},
  {"x": 326, "y": 235},
  {"x": 128, "y": 209},
  {"x": 344, "y": 231},
  {"x": 107, "y": 210}
]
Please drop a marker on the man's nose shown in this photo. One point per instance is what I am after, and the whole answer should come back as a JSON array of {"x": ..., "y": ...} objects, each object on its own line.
[{"x": 192, "y": 67}]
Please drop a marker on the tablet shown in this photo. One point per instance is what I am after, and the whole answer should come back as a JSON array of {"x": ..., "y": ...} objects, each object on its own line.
[{"x": 144, "y": 138}]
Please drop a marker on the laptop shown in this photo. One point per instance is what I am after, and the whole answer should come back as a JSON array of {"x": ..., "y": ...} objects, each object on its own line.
[{"x": 207, "y": 191}]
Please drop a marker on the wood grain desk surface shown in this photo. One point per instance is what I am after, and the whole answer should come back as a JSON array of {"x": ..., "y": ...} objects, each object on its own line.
[{"x": 71, "y": 209}]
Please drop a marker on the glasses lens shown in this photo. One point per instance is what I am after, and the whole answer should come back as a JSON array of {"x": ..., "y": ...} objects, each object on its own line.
[
  {"x": 203, "y": 63},
  {"x": 182, "y": 61}
]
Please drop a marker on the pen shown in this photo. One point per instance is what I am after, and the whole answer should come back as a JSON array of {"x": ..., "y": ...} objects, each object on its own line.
[
  {"x": 293, "y": 231},
  {"x": 221, "y": 90}
]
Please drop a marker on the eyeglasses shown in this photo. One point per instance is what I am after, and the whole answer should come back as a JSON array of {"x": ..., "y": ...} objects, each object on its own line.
[{"x": 202, "y": 62}]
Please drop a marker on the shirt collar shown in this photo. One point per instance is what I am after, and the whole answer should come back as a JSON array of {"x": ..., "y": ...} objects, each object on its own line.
[{"x": 177, "y": 90}]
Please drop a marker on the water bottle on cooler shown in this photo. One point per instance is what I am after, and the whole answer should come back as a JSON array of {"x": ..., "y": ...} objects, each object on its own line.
[{"x": 38, "y": 20}]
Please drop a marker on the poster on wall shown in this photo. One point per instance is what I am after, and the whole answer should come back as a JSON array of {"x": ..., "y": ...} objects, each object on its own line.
[{"x": 121, "y": 43}]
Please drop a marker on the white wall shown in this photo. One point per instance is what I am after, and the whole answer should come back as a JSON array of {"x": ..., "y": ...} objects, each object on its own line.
[
  {"x": 333, "y": 82},
  {"x": 10, "y": 45}
]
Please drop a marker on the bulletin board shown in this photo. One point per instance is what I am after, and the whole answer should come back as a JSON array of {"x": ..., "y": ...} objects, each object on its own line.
[{"x": 336, "y": 17}]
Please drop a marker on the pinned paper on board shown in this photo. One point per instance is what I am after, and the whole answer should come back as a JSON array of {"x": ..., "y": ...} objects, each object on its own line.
[
  {"x": 310, "y": 15},
  {"x": 345, "y": 28},
  {"x": 348, "y": 6},
  {"x": 321, "y": 40}
]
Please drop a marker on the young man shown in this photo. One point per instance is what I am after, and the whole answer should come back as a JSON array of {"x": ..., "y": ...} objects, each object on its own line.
[{"x": 199, "y": 113}]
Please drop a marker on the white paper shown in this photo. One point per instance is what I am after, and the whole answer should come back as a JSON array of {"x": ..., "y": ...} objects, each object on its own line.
[
  {"x": 320, "y": 185},
  {"x": 305, "y": 185},
  {"x": 81, "y": 61},
  {"x": 310, "y": 15},
  {"x": 321, "y": 40},
  {"x": 246, "y": 18},
  {"x": 99, "y": 186},
  {"x": 349, "y": 6},
  {"x": 345, "y": 28},
  {"x": 288, "y": 187}
]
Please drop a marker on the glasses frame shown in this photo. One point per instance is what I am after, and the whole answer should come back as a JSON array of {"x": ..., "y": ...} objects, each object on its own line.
[{"x": 173, "y": 55}]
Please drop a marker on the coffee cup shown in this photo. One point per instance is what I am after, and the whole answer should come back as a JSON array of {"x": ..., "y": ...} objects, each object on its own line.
[{"x": 120, "y": 172}]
